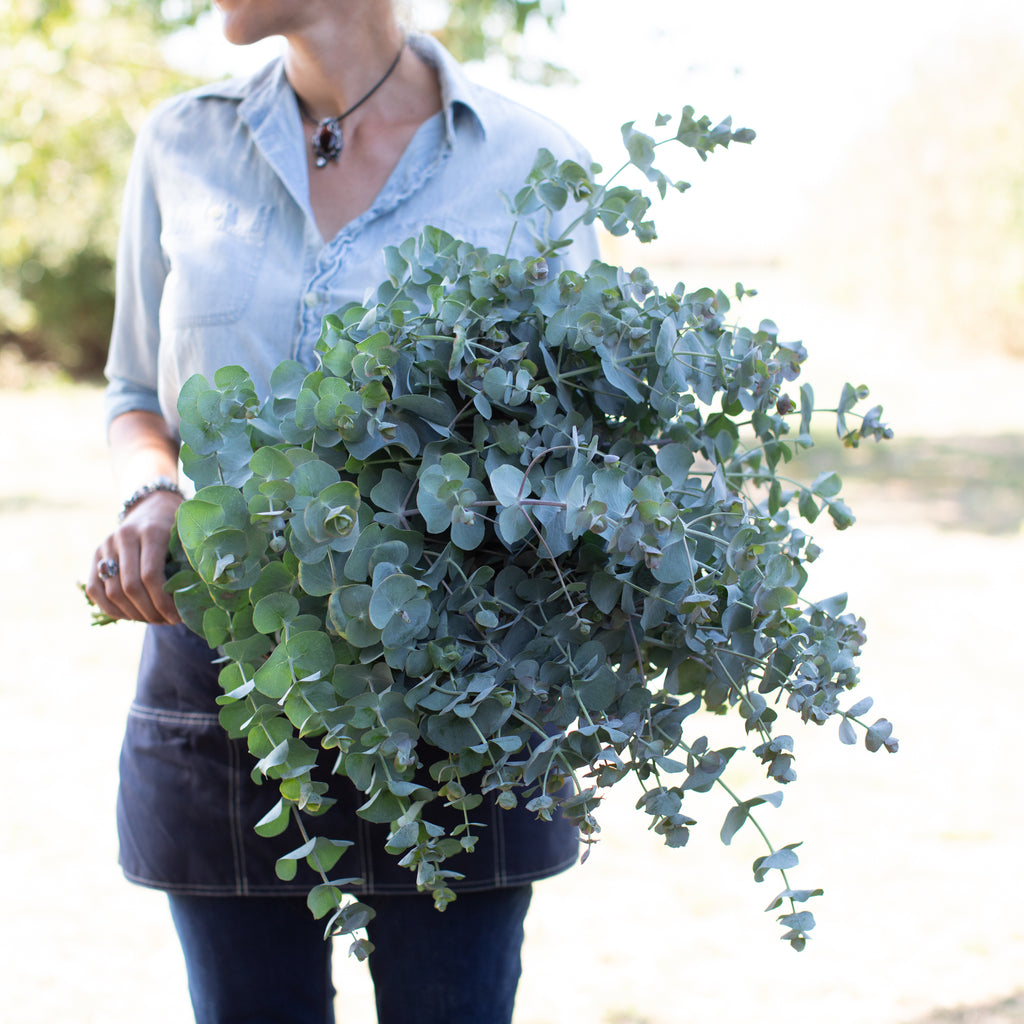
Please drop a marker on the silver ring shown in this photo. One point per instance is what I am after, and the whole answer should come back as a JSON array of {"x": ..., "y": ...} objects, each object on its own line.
[{"x": 107, "y": 569}]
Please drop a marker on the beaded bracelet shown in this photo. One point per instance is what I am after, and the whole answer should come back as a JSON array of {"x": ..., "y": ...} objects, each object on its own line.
[{"x": 162, "y": 483}]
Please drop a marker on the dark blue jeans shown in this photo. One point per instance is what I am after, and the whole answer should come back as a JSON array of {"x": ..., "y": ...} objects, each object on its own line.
[{"x": 263, "y": 960}]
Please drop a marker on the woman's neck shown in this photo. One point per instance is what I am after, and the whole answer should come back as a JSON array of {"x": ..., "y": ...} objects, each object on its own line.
[{"x": 333, "y": 63}]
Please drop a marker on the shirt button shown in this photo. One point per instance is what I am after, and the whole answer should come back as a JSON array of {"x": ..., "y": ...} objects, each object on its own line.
[{"x": 311, "y": 299}]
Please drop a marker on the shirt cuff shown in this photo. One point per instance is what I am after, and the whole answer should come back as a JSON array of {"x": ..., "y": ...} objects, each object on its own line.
[{"x": 124, "y": 396}]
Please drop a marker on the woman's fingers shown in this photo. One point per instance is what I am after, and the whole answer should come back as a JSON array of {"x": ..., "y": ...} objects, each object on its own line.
[
  {"x": 153, "y": 574},
  {"x": 119, "y": 589},
  {"x": 128, "y": 576},
  {"x": 130, "y": 590},
  {"x": 104, "y": 572}
]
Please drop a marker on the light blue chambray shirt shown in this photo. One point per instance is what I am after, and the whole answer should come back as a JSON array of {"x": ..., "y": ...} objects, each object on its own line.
[{"x": 220, "y": 260}]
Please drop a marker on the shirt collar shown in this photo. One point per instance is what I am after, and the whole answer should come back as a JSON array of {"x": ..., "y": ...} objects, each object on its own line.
[
  {"x": 267, "y": 104},
  {"x": 259, "y": 94},
  {"x": 458, "y": 93}
]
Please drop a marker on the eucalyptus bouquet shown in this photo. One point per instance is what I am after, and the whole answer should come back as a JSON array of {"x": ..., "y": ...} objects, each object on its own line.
[{"x": 531, "y": 521}]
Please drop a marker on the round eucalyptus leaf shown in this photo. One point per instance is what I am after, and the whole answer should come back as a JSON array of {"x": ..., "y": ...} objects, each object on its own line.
[
  {"x": 270, "y": 463},
  {"x": 273, "y": 612},
  {"x": 349, "y": 614}
]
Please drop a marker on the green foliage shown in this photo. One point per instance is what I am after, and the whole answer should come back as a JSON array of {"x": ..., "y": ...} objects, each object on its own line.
[
  {"x": 79, "y": 78},
  {"x": 475, "y": 29},
  {"x": 520, "y": 526}
]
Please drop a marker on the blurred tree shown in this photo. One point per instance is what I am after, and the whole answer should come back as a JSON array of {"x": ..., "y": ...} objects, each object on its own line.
[
  {"x": 928, "y": 214},
  {"x": 79, "y": 77},
  {"x": 474, "y": 29}
]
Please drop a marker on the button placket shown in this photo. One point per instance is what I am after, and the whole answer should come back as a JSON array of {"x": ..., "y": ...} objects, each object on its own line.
[{"x": 317, "y": 294}]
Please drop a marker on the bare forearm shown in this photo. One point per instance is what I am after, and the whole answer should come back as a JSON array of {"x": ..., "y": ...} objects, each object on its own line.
[{"x": 142, "y": 449}]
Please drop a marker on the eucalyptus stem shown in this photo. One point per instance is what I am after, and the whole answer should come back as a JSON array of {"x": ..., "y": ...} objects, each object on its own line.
[{"x": 317, "y": 866}]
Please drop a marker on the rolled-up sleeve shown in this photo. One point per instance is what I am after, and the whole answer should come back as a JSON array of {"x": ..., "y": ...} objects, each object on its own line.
[{"x": 133, "y": 358}]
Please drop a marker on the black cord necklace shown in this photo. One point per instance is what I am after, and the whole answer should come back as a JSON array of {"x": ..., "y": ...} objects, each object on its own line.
[{"x": 327, "y": 140}]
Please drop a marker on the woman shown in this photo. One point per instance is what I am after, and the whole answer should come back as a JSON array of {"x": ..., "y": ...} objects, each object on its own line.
[{"x": 253, "y": 208}]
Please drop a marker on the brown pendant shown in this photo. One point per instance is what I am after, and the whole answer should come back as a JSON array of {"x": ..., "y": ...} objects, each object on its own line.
[
  {"x": 327, "y": 141},
  {"x": 327, "y": 138}
]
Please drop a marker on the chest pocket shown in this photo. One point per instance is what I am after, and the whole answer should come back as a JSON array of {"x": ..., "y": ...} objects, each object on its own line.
[{"x": 214, "y": 254}]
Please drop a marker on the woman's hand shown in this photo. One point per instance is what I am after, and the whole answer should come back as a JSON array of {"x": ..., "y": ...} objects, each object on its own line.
[{"x": 127, "y": 577}]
